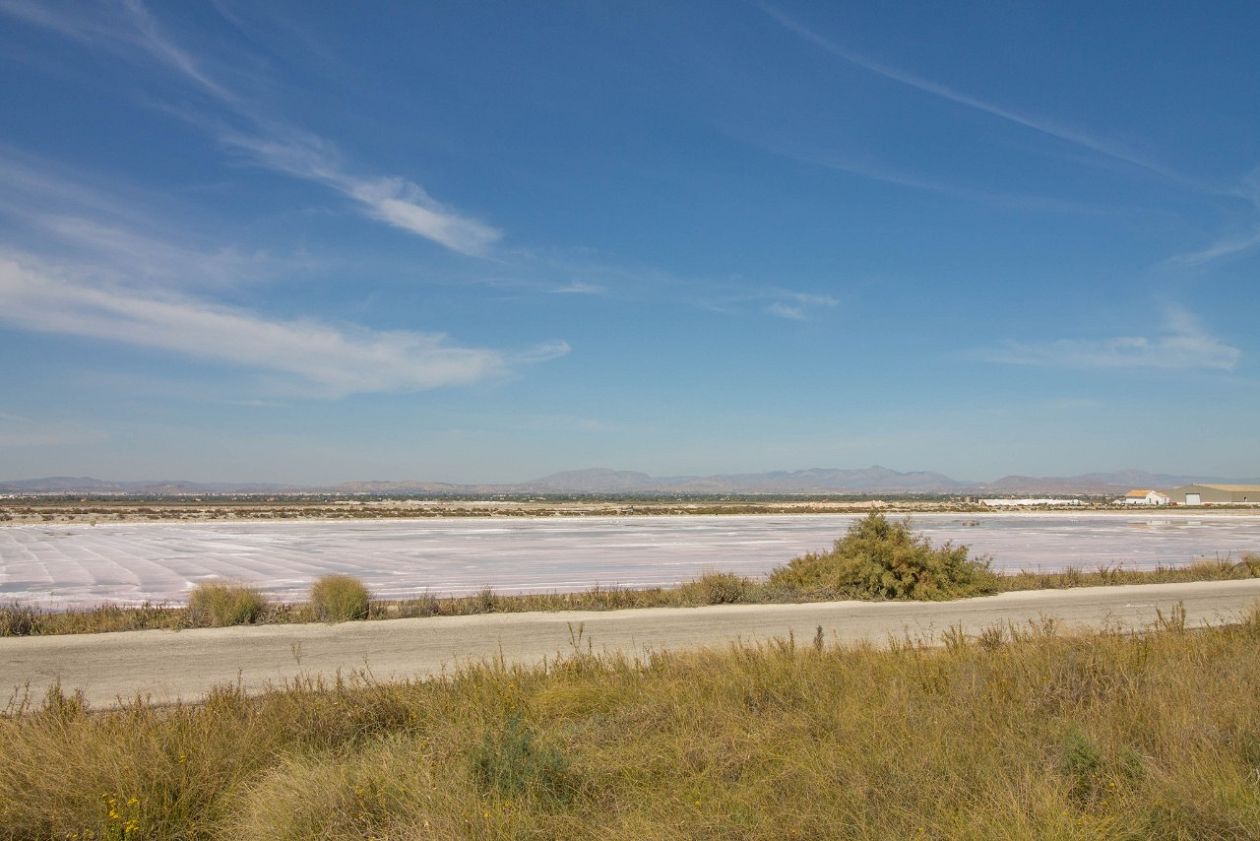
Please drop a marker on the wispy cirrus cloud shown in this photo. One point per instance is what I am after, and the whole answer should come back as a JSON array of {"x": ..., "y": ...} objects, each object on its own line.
[
  {"x": 268, "y": 142},
  {"x": 114, "y": 266},
  {"x": 1036, "y": 123},
  {"x": 878, "y": 171},
  {"x": 577, "y": 287},
  {"x": 1249, "y": 191},
  {"x": 394, "y": 201},
  {"x": 126, "y": 235},
  {"x": 796, "y": 306},
  {"x": 98, "y": 25},
  {"x": 314, "y": 357},
  {"x": 788, "y": 311},
  {"x": 1226, "y": 247},
  {"x": 123, "y": 252},
  {"x": 1183, "y": 345}
]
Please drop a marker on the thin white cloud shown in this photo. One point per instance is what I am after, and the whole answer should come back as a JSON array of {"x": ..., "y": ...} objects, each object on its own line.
[
  {"x": 169, "y": 53},
  {"x": 509, "y": 283},
  {"x": 1185, "y": 345},
  {"x": 1221, "y": 248},
  {"x": 771, "y": 300},
  {"x": 145, "y": 257},
  {"x": 394, "y": 201},
  {"x": 29, "y": 186},
  {"x": 788, "y": 311},
  {"x": 795, "y": 306},
  {"x": 578, "y": 287},
  {"x": 1248, "y": 190},
  {"x": 97, "y": 25},
  {"x": 100, "y": 226},
  {"x": 327, "y": 360},
  {"x": 1035, "y": 123},
  {"x": 544, "y": 352},
  {"x": 888, "y": 175},
  {"x": 83, "y": 24},
  {"x": 805, "y": 298}
]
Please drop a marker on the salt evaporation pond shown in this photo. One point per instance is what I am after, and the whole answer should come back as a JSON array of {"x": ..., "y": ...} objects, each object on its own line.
[{"x": 79, "y": 565}]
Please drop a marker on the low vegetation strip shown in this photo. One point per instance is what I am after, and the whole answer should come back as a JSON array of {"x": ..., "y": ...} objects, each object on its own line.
[
  {"x": 877, "y": 559},
  {"x": 1019, "y": 733}
]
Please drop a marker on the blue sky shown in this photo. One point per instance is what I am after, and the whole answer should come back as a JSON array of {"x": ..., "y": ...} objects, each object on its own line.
[{"x": 484, "y": 242}]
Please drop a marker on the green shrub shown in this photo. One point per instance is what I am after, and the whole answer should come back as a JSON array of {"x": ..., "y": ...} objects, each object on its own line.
[
  {"x": 1083, "y": 763},
  {"x": 878, "y": 559},
  {"x": 219, "y": 605},
  {"x": 339, "y": 598},
  {"x": 511, "y": 763}
]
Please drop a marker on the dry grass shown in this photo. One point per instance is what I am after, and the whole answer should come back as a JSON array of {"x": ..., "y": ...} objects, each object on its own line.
[
  {"x": 1221, "y": 569},
  {"x": 1020, "y": 734}
]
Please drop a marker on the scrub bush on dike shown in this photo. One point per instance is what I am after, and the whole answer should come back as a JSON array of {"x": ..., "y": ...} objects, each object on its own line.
[
  {"x": 339, "y": 598},
  {"x": 218, "y": 605},
  {"x": 878, "y": 559},
  {"x": 717, "y": 588}
]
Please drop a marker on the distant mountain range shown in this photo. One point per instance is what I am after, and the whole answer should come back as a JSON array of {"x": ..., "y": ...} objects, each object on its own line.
[
  {"x": 88, "y": 485},
  {"x": 602, "y": 481}
]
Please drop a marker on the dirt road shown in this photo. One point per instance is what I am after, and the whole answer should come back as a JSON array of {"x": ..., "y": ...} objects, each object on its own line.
[{"x": 169, "y": 665}]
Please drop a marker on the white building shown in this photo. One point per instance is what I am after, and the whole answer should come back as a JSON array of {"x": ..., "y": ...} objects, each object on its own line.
[
  {"x": 1144, "y": 496},
  {"x": 1217, "y": 494}
]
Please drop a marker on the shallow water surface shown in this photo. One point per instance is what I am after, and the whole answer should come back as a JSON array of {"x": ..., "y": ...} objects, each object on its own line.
[{"x": 78, "y": 565}]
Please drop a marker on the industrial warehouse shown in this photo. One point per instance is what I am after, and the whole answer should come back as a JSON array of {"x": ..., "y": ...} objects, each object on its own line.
[{"x": 1214, "y": 494}]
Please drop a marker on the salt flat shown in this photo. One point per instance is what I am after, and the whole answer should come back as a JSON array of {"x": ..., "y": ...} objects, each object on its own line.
[{"x": 80, "y": 565}]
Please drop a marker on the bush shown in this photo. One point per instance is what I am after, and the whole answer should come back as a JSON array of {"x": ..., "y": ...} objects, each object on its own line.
[
  {"x": 486, "y": 601},
  {"x": 339, "y": 598},
  {"x": 511, "y": 763},
  {"x": 17, "y": 620},
  {"x": 1251, "y": 563},
  {"x": 717, "y": 588},
  {"x": 878, "y": 559},
  {"x": 219, "y": 605},
  {"x": 1082, "y": 762}
]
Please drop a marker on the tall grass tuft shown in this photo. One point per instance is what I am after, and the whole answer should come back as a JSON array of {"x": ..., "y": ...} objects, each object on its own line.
[
  {"x": 1251, "y": 563},
  {"x": 879, "y": 559},
  {"x": 17, "y": 620},
  {"x": 218, "y": 605},
  {"x": 339, "y": 598}
]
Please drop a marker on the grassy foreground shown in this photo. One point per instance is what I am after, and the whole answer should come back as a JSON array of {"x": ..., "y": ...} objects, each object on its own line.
[{"x": 1019, "y": 734}]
